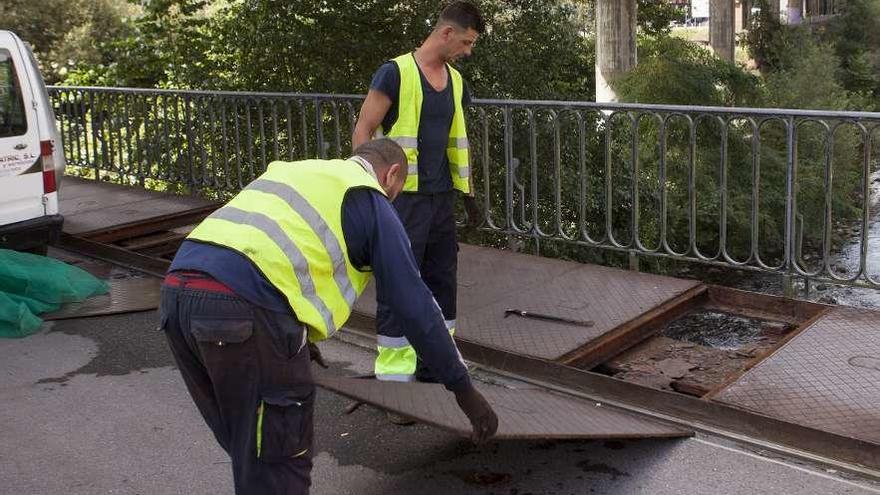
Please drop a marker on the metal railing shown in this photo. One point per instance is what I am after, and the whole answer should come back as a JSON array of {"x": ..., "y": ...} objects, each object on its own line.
[{"x": 781, "y": 191}]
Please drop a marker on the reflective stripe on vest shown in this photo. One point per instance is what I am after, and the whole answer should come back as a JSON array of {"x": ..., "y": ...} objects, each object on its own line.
[
  {"x": 406, "y": 129},
  {"x": 288, "y": 222}
]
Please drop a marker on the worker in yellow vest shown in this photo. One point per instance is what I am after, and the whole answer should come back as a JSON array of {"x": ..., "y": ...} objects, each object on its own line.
[
  {"x": 274, "y": 271},
  {"x": 417, "y": 99}
]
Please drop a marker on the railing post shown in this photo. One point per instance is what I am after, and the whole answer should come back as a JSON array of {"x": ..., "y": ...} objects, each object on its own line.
[
  {"x": 634, "y": 261},
  {"x": 789, "y": 247},
  {"x": 788, "y": 286}
]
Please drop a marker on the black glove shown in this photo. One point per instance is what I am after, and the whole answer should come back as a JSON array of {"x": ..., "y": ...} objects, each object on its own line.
[
  {"x": 315, "y": 355},
  {"x": 474, "y": 214},
  {"x": 479, "y": 412}
]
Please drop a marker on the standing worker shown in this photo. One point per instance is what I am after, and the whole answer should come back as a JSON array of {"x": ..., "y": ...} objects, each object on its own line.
[
  {"x": 273, "y": 271},
  {"x": 418, "y": 99}
]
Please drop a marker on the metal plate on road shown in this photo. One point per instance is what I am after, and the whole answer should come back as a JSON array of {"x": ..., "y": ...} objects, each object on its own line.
[
  {"x": 491, "y": 281},
  {"x": 609, "y": 297},
  {"x": 827, "y": 377},
  {"x": 487, "y": 275},
  {"x": 127, "y": 295},
  {"x": 90, "y": 206},
  {"x": 525, "y": 413}
]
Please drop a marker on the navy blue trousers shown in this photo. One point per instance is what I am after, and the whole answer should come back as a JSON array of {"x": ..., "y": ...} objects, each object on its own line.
[{"x": 249, "y": 374}]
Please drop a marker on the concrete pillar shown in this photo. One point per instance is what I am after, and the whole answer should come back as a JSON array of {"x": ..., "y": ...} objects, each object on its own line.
[
  {"x": 745, "y": 13},
  {"x": 812, "y": 8},
  {"x": 615, "y": 43},
  {"x": 795, "y": 11},
  {"x": 721, "y": 28}
]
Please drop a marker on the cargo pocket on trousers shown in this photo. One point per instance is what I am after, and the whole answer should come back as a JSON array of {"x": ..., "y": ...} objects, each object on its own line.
[
  {"x": 220, "y": 331},
  {"x": 284, "y": 424}
]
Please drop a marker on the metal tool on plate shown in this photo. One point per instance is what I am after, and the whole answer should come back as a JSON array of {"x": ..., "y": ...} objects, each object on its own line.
[{"x": 540, "y": 316}]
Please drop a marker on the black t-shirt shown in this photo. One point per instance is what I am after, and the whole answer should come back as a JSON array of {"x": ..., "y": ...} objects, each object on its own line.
[{"x": 434, "y": 124}]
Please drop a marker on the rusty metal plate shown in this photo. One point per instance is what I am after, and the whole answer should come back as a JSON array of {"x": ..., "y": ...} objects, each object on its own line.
[
  {"x": 127, "y": 295},
  {"x": 608, "y": 297},
  {"x": 75, "y": 187},
  {"x": 487, "y": 275},
  {"x": 522, "y": 413},
  {"x": 827, "y": 378},
  {"x": 81, "y": 195},
  {"x": 90, "y": 206},
  {"x": 102, "y": 219}
]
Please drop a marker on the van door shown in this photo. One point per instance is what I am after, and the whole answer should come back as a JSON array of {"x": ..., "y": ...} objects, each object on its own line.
[{"x": 21, "y": 179}]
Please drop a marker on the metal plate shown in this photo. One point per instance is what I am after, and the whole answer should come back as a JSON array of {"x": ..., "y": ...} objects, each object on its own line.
[
  {"x": 487, "y": 275},
  {"x": 90, "y": 206},
  {"x": 522, "y": 413},
  {"x": 827, "y": 378},
  {"x": 609, "y": 297},
  {"x": 75, "y": 188},
  {"x": 127, "y": 295}
]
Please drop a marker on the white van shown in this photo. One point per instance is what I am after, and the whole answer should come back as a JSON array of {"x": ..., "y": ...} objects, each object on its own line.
[{"x": 31, "y": 155}]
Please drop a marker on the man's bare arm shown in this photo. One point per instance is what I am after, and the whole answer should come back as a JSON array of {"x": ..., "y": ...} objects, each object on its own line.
[{"x": 370, "y": 118}]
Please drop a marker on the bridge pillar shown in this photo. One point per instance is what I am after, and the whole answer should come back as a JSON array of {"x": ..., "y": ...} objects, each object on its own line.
[
  {"x": 721, "y": 28},
  {"x": 795, "y": 11},
  {"x": 615, "y": 44}
]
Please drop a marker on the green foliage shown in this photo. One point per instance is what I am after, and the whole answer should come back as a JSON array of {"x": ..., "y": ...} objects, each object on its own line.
[
  {"x": 535, "y": 50},
  {"x": 834, "y": 68},
  {"x": 761, "y": 38},
  {"x": 163, "y": 47},
  {"x": 675, "y": 71},
  {"x": 809, "y": 79},
  {"x": 334, "y": 46},
  {"x": 655, "y": 18},
  {"x": 67, "y": 34},
  {"x": 307, "y": 46},
  {"x": 856, "y": 37}
]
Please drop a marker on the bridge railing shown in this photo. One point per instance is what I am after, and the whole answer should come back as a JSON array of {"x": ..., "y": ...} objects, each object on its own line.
[{"x": 781, "y": 191}]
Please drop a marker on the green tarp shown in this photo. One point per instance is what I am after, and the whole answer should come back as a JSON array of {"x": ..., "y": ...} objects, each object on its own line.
[{"x": 31, "y": 285}]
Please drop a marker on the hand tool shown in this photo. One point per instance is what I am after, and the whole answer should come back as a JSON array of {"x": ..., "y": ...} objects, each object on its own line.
[{"x": 540, "y": 316}]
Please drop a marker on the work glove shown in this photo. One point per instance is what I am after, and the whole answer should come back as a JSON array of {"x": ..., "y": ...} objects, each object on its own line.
[
  {"x": 474, "y": 213},
  {"x": 315, "y": 355},
  {"x": 479, "y": 412}
]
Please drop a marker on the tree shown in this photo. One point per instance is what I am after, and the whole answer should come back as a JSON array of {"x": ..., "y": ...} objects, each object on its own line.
[
  {"x": 66, "y": 34},
  {"x": 856, "y": 38},
  {"x": 166, "y": 45}
]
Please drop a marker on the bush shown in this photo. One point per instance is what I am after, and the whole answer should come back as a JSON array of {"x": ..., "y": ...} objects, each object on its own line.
[{"x": 676, "y": 71}]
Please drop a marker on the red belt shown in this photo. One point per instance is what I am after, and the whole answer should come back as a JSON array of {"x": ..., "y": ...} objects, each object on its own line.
[{"x": 196, "y": 280}]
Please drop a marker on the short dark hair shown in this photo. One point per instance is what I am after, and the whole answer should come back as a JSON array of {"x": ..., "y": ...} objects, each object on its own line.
[
  {"x": 382, "y": 153},
  {"x": 465, "y": 15}
]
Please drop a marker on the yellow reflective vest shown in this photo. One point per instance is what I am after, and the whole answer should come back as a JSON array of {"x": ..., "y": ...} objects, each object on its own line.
[
  {"x": 406, "y": 130},
  {"x": 288, "y": 222}
]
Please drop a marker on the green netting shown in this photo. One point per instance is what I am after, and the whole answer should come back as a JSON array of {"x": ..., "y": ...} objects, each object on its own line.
[{"x": 31, "y": 284}]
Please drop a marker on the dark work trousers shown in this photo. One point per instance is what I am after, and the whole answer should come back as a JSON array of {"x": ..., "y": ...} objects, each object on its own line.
[
  {"x": 429, "y": 220},
  {"x": 249, "y": 374}
]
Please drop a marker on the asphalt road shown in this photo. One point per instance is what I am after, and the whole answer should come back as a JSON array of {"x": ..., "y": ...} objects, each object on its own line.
[{"x": 95, "y": 406}]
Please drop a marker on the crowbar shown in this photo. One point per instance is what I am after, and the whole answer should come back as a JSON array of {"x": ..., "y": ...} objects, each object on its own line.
[{"x": 540, "y": 316}]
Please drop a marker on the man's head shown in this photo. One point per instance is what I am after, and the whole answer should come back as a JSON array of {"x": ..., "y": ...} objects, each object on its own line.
[
  {"x": 388, "y": 161},
  {"x": 458, "y": 27}
]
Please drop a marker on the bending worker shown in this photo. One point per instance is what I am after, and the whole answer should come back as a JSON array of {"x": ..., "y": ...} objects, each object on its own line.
[
  {"x": 418, "y": 100},
  {"x": 273, "y": 271}
]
